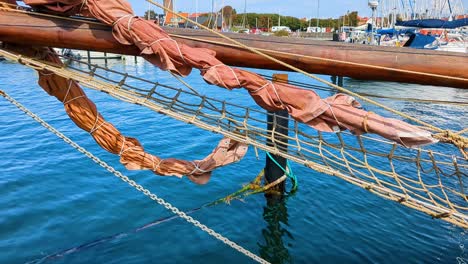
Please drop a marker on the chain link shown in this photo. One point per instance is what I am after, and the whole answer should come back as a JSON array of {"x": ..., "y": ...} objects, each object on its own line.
[{"x": 132, "y": 183}]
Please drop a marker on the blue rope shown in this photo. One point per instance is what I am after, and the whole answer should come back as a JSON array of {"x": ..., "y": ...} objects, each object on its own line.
[{"x": 288, "y": 172}]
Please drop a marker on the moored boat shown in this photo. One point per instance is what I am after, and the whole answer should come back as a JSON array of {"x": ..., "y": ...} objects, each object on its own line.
[{"x": 322, "y": 57}]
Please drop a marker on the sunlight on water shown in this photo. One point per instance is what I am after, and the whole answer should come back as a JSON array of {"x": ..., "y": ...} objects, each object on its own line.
[{"x": 58, "y": 207}]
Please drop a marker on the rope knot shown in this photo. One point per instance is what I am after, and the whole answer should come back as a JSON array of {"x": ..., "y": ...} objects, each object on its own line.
[
  {"x": 456, "y": 139},
  {"x": 364, "y": 121},
  {"x": 129, "y": 23}
]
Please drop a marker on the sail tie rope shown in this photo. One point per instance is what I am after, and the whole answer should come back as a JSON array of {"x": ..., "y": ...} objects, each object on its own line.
[
  {"x": 123, "y": 17},
  {"x": 233, "y": 73},
  {"x": 176, "y": 43},
  {"x": 85, "y": 3},
  {"x": 274, "y": 90},
  {"x": 196, "y": 169},
  {"x": 70, "y": 82},
  {"x": 296, "y": 69},
  {"x": 261, "y": 88},
  {"x": 78, "y": 97},
  {"x": 364, "y": 121},
  {"x": 155, "y": 166},
  {"x": 94, "y": 128},
  {"x": 335, "y": 128},
  {"x": 122, "y": 148},
  {"x": 277, "y": 95},
  {"x": 68, "y": 91}
]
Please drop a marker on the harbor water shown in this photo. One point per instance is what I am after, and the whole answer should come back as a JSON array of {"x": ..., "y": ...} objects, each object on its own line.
[{"x": 57, "y": 206}]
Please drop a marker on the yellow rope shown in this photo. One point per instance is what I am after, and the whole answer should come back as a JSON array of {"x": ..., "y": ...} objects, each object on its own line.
[
  {"x": 454, "y": 138},
  {"x": 259, "y": 52},
  {"x": 14, "y": 8},
  {"x": 314, "y": 152},
  {"x": 463, "y": 131},
  {"x": 301, "y": 71},
  {"x": 364, "y": 121},
  {"x": 254, "y": 187},
  {"x": 324, "y": 59}
]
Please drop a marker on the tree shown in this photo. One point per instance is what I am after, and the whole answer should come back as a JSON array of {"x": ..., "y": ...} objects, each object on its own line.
[
  {"x": 228, "y": 13},
  {"x": 353, "y": 18},
  {"x": 152, "y": 15}
]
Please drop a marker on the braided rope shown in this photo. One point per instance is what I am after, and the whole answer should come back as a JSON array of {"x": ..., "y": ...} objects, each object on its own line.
[
  {"x": 434, "y": 184},
  {"x": 289, "y": 66}
]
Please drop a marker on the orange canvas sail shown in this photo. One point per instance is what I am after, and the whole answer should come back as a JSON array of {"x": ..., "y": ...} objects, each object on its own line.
[
  {"x": 83, "y": 112},
  {"x": 332, "y": 114}
]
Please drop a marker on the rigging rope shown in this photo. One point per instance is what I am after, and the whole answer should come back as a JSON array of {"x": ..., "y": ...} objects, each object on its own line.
[
  {"x": 287, "y": 171},
  {"x": 257, "y": 51},
  {"x": 423, "y": 74},
  {"x": 425, "y": 180},
  {"x": 132, "y": 183},
  {"x": 92, "y": 21},
  {"x": 415, "y": 100},
  {"x": 339, "y": 88}
]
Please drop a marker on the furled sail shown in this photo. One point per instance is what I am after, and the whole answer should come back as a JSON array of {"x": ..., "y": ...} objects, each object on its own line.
[
  {"x": 84, "y": 113},
  {"x": 333, "y": 114}
]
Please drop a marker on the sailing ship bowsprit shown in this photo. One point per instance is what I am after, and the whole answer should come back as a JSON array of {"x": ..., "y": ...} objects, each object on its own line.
[
  {"x": 331, "y": 58},
  {"x": 180, "y": 51}
]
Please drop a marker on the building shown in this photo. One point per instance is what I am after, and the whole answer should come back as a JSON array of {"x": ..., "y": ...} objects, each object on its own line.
[{"x": 175, "y": 21}]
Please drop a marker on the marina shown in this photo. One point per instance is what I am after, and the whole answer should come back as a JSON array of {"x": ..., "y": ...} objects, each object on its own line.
[
  {"x": 323, "y": 57},
  {"x": 364, "y": 162},
  {"x": 76, "y": 202}
]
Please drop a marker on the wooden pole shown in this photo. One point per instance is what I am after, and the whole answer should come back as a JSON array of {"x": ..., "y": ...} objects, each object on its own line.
[
  {"x": 55, "y": 32},
  {"x": 105, "y": 56},
  {"x": 278, "y": 127},
  {"x": 88, "y": 54},
  {"x": 340, "y": 81}
]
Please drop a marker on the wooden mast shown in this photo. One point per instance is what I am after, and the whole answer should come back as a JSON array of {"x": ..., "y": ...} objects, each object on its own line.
[{"x": 322, "y": 57}]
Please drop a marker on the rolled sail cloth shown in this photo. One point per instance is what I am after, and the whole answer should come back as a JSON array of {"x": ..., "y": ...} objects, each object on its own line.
[
  {"x": 84, "y": 113},
  {"x": 332, "y": 114}
]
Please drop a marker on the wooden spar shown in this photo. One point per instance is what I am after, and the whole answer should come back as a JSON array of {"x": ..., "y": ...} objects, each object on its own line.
[
  {"x": 38, "y": 30},
  {"x": 277, "y": 126},
  {"x": 334, "y": 58},
  {"x": 322, "y": 57}
]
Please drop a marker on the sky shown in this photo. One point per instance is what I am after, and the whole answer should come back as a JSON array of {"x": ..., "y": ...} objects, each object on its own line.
[{"x": 296, "y": 8}]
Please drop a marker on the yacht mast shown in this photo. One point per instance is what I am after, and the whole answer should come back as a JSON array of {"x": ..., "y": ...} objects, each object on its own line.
[
  {"x": 318, "y": 14},
  {"x": 244, "y": 18},
  {"x": 196, "y": 11}
]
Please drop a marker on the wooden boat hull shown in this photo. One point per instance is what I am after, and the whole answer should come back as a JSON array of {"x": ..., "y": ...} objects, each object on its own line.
[{"x": 322, "y": 57}]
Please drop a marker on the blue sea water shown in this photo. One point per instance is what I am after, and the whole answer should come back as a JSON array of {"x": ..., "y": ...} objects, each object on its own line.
[{"x": 57, "y": 206}]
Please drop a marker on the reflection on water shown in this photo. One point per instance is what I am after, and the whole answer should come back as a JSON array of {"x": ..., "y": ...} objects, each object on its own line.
[
  {"x": 356, "y": 227},
  {"x": 275, "y": 214}
]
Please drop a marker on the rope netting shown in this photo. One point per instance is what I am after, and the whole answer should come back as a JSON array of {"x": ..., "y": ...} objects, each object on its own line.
[{"x": 430, "y": 180}]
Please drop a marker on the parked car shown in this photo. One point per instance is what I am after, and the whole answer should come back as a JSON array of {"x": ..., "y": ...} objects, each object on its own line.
[{"x": 280, "y": 28}]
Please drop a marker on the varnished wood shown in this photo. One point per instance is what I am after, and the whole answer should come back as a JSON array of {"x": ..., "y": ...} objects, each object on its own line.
[{"x": 79, "y": 34}]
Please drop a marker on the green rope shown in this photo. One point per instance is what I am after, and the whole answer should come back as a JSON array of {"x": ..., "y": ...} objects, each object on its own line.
[
  {"x": 247, "y": 190},
  {"x": 287, "y": 171},
  {"x": 254, "y": 186}
]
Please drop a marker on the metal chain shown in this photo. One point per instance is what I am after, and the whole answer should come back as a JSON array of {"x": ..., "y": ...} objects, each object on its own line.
[{"x": 132, "y": 183}]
